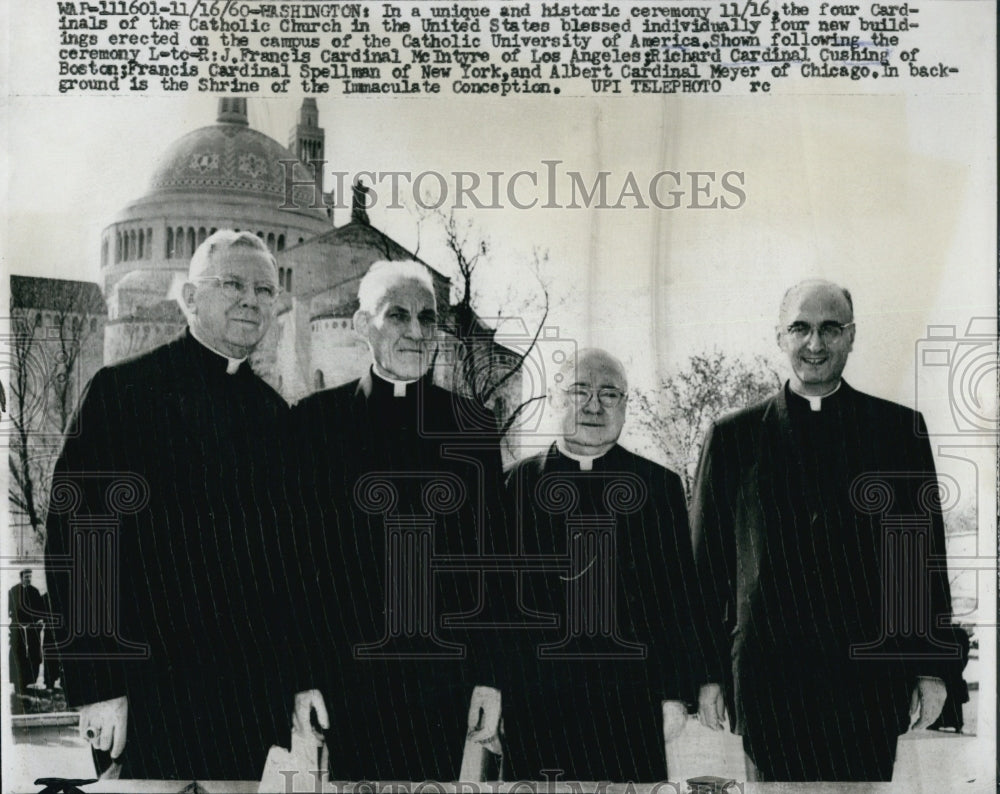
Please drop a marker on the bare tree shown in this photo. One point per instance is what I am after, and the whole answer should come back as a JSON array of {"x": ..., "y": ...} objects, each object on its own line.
[
  {"x": 678, "y": 411},
  {"x": 48, "y": 348},
  {"x": 490, "y": 354}
]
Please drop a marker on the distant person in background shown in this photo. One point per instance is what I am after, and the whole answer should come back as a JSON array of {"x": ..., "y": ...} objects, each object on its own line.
[
  {"x": 811, "y": 586},
  {"x": 26, "y": 611}
]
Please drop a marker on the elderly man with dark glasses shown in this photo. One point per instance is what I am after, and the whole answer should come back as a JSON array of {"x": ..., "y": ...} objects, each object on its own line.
[{"x": 612, "y": 677}]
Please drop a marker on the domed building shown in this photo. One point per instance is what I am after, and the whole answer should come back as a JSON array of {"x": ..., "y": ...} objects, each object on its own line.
[{"x": 228, "y": 175}]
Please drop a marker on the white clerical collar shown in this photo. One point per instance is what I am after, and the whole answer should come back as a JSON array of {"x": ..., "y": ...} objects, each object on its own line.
[
  {"x": 398, "y": 386},
  {"x": 586, "y": 461},
  {"x": 816, "y": 403},
  {"x": 232, "y": 365}
]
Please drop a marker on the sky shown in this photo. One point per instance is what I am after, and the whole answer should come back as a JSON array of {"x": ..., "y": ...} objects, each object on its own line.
[
  {"x": 888, "y": 196},
  {"x": 891, "y": 196}
]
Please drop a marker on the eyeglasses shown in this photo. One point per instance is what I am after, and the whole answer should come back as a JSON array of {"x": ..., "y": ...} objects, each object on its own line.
[
  {"x": 607, "y": 397},
  {"x": 234, "y": 288},
  {"x": 829, "y": 331}
]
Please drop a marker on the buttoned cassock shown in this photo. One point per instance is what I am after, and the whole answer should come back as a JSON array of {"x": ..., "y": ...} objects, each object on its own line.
[
  {"x": 795, "y": 537},
  {"x": 595, "y": 713},
  {"x": 385, "y": 467},
  {"x": 186, "y": 460}
]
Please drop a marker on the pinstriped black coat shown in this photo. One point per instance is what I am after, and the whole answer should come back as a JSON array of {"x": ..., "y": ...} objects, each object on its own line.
[
  {"x": 186, "y": 461},
  {"x": 371, "y": 463}
]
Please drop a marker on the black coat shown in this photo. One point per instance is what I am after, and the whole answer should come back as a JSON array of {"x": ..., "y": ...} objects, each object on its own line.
[
  {"x": 791, "y": 531},
  {"x": 178, "y": 465},
  {"x": 25, "y": 607},
  {"x": 423, "y": 471},
  {"x": 593, "y": 683}
]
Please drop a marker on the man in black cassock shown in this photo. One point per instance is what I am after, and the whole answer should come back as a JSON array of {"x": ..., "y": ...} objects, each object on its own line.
[
  {"x": 26, "y": 611},
  {"x": 817, "y": 525},
  {"x": 396, "y": 470},
  {"x": 612, "y": 679},
  {"x": 163, "y": 553}
]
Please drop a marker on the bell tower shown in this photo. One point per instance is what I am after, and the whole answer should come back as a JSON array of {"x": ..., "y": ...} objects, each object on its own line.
[
  {"x": 307, "y": 138},
  {"x": 233, "y": 111}
]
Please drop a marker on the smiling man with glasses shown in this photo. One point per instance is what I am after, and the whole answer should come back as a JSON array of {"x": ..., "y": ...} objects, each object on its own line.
[
  {"x": 192, "y": 679},
  {"x": 824, "y": 620},
  {"x": 614, "y": 676}
]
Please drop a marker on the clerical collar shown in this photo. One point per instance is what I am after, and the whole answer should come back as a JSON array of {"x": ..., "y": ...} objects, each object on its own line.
[
  {"x": 586, "y": 461},
  {"x": 815, "y": 403},
  {"x": 232, "y": 365},
  {"x": 398, "y": 386}
]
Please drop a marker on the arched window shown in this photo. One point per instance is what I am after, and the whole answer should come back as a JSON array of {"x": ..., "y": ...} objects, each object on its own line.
[
  {"x": 213, "y": 231},
  {"x": 142, "y": 245},
  {"x": 318, "y": 382},
  {"x": 149, "y": 243},
  {"x": 132, "y": 244},
  {"x": 118, "y": 246},
  {"x": 270, "y": 242},
  {"x": 191, "y": 238},
  {"x": 281, "y": 242},
  {"x": 179, "y": 242},
  {"x": 104, "y": 252},
  {"x": 169, "y": 250},
  {"x": 281, "y": 277},
  {"x": 202, "y": 234},
  {"x": 288, "y": 279}
]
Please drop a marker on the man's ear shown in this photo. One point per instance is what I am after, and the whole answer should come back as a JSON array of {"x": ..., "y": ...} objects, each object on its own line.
[
  {"x": 850, "y": 338},
  {"x": 361, "y": 321},
  {"x": 187, "y": 293}
]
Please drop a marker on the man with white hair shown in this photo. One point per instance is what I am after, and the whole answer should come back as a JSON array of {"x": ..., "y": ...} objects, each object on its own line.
[
  {"x": 397, "y": 470},
  {"x": 613, "y": 679},
  {"x": 172, "y": 638},
  {"x": 817, "y": 528}
]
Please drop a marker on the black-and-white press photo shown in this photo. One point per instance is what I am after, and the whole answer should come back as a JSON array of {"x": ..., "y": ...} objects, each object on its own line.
[{"x": 495, "y": 396}]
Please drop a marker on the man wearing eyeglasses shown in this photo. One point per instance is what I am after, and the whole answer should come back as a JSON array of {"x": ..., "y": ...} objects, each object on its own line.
[
  {"x": 612, "y": 678},
  {"x": 179, "y": 667},
  {"x": 807, "y": 581},
  {"x": 397, "y": 470}
]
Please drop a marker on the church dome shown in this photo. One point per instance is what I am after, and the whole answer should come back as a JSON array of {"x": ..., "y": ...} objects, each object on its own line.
[
  {"x": 225, "y": 157},
  {"x": 228, "y": 156}
]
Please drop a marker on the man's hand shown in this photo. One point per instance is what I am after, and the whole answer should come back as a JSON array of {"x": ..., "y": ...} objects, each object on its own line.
[
  {"x": 928, "y": 699},
  {"x": 675, "y": 717},
  {"x": 711, "y": 706},
  {"x": 484, "y": 717},
  {"x": 105, "y": 725},
  {"x": 308, "y": 703}
]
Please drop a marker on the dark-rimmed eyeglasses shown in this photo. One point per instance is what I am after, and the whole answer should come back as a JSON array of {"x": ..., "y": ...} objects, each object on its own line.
[
  {"x": 829, "y": 331},
  {"x": 235, "y": 288},
  {"x": 607, "y": 397}
]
